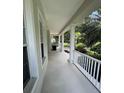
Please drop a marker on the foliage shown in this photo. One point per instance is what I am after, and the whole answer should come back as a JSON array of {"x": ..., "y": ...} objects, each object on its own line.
[
  {"x": 81, "y": 47},
  {"x": 94, "y": 54},
  {"x": 66, "y": 44},
  {"x": 67, "y": 37},
  {"x": 78, "y": 37},
  {"x": 93, "y": 34},
  {"x": 88, "y": 35},
  {"x": 96, "y": 47}
]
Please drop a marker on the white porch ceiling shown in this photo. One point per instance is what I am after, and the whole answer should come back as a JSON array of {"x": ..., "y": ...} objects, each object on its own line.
[{"x": 59, "y": 12}]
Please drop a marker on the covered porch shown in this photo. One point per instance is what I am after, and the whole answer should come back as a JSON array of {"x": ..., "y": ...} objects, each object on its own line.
[
  {"x": 57, "y": 71},
  {"x": 64, "y": 77}
]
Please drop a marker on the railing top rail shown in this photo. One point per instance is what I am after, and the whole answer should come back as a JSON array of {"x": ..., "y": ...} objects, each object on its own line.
[{"x": 87, "y": 56}]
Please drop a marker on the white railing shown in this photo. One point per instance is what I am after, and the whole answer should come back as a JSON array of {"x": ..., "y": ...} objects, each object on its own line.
[{"x": 90, "y": 67}]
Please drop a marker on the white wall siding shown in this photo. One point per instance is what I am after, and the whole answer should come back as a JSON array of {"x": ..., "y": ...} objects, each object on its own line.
[{"x": 33, "y": 9}]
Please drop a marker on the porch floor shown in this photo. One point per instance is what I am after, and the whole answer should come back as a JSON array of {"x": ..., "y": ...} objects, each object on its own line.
[{"x": 63, "y": 77}]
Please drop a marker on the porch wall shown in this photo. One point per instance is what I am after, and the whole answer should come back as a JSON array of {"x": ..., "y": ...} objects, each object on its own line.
[{"x": 37, "y": 7}]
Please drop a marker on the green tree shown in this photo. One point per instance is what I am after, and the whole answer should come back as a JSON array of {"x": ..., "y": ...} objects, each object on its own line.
[
  {"x": 88, "y": 35},
  {"x": 67, "y": 37}
]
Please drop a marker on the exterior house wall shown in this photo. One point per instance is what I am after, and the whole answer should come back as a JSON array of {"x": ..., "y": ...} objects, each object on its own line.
[
  {"x": 49, "y": 41},
  {"x": 34, "y": 14},
  {"x": 39, "y": 16}
]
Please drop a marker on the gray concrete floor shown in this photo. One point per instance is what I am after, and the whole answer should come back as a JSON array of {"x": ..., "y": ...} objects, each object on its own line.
[{"x": 63, "y": 77}]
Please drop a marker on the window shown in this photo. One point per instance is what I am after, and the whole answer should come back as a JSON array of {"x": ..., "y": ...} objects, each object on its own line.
[
  {"x": 26, "y": 72},
  {"x": 61, "y": 39},
  {"x": 42, "y": 43},
  {"x": 42, "y": 50}
]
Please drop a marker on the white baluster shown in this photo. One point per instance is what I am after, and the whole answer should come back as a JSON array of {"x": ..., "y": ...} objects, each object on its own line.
[
  {"x": 98, "y": 71},
  {"x": 91, "y": 70},
  {"x": 83, "y": 61},
  {"x": 85, "y": 65},
  {"x": 94, "y": 72},
  {"x": 88, "y": 65}
]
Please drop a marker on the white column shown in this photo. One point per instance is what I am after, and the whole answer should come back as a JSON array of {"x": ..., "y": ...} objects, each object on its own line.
[
  {"x": 49, "y": 41},
  {"x": 62, "y": 45},
  {"x": 51, "y": 37},
  {"x": 59, "y": 43},
  {"x": 72, "y": 40},
  {"x": 59, "y": 40}
]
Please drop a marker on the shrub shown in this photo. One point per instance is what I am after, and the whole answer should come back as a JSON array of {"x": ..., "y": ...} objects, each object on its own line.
[
  {"x": 96, "y": 47},
  {"x": 81, "y": 47},
  {"x": 97, "y": 56},
  {"x": 66, "y": 44},
  {"x": 94, "y": 54}
]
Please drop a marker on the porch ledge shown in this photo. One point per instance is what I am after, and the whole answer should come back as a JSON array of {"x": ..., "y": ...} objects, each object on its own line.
[{"x": 28, "y": 88}]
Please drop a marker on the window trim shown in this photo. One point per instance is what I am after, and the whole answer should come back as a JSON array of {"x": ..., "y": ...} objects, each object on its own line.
[
  {"x": 30, "y": 40},
  {"x": 41, "y": 22},
  {"x": 26, "y": 82}
]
